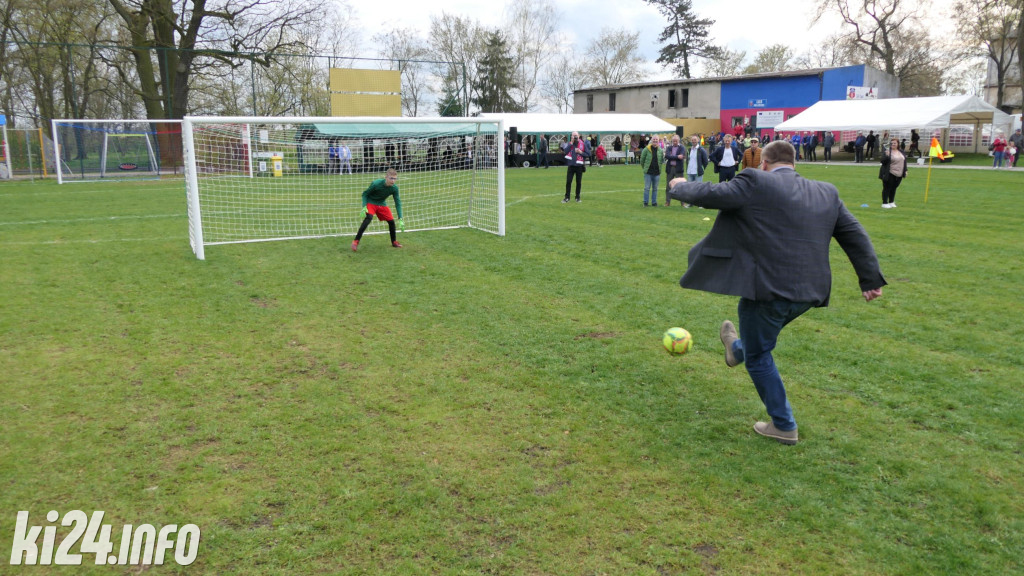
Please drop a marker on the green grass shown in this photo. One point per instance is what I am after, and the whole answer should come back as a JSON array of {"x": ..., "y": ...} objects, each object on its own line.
[{"x": 482, "y": 405}]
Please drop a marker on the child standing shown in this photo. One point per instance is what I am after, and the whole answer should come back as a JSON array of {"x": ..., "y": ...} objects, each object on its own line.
[{"x": 375, "y": 204}]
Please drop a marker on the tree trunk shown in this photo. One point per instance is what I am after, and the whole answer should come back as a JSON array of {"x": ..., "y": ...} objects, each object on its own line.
[{"x": 1020, "y": 57}]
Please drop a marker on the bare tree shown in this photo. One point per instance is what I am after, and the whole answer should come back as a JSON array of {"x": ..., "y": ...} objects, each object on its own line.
[
  {"x": 724, "y": 62},
  {"x": 404, "y": 47},
  {"x": 340, "y": 33},
  {"x": 988, "y": 28},
  {"x": 171, "y": 39},
  {"x": 896, "y": 42},
  {"x": 966, "y": 78},
  {"x": 565, "y": 75},
  {"x": 7, "y": 85},
  {"x": 836, "y": 50},
  {"x": 774, "y": 58},
  {"x": 1020, "y": 54},
  {"x": 613, "y": 58},
  {"x": 531, "y": 31},
  {"x": 43, "y": 78},
  {"x": 459, "y": 43},
  {"x": 921, "y": 69}
]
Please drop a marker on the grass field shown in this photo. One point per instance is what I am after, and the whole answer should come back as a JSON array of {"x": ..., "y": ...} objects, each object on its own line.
[{"x": 473, "y": 404}]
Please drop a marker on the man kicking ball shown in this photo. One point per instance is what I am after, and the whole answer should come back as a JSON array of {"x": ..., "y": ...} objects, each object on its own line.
[
  {"x": 769, "y": 245},
  {"x": 375, "y": 204}
]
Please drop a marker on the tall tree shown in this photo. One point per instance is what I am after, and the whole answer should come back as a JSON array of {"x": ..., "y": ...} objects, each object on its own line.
[
  {"x": 459, "y": 43},
  {"x": 54, "y": 80},
  {"x": 895, "y": 40},
  {"x": 7, "y": 85},
  {"x": 171, "y": 39},
  {"x": 613, "y": 58},
  {"x": 565, "y": 75},
  {"x": 450, "y": 103},
  {"x": 531, "y": 33},
  {"x": 988, "y": 28},
  {"x": 688, "y": 36},
  {"x": 1020, "y": 55},
  {"x": 496, "y": 79},
  {"x": 402, "y": 46}
]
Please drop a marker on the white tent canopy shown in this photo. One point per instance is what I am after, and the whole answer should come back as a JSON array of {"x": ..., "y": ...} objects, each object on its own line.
[
  {"x": 584, "y": 123},
  {"x": 936, "y": 112}
]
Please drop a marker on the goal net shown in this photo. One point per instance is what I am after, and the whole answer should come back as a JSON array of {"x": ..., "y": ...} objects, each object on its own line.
[
  {"x": 90, "y": 150},
  {"x": 260, "y": 179}
]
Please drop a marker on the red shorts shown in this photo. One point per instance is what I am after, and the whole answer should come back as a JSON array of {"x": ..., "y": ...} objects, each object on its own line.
[{"x": 383, "y": 213}]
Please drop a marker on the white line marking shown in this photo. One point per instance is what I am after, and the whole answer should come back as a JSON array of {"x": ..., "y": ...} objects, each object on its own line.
[{"x": 97, "y": 219}]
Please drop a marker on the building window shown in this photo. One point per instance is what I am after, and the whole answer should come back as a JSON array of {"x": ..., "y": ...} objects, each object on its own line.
[
  {"x": 685, "y": 99},
  {"x": 611, "y": 102},
  {"x": 672, "y": 98},
  {"x": 590, "y": 102}
]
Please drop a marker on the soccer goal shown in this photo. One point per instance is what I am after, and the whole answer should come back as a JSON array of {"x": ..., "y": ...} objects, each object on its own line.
[
  {"x": 110, "y": 149},
  {"x": 254, "y": 179}
]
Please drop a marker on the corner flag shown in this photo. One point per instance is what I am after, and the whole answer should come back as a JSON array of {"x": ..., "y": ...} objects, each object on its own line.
[{"x": 936, "y": 151}]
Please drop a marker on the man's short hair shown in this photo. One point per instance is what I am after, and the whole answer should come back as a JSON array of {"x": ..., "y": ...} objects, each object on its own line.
[
  {"x": 778, "y": 152},
  {"x": 391, "y": 172}
]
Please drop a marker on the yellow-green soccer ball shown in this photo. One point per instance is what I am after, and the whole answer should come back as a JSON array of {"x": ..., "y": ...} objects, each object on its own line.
[{"x": 677, "y": 341}]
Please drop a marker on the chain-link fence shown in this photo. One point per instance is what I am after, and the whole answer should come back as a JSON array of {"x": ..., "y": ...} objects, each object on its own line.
[{"x": 40, "y": 81}]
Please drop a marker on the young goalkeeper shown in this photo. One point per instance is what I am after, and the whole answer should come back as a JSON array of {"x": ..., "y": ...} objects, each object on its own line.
[{"x": 374, "y": 204}]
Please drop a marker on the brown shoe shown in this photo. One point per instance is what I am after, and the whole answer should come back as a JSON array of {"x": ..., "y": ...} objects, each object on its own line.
[
  {"x": 768, "y": 430},
  {"x": 728, "y": 335},
  {"x": 395, "y": 244}
]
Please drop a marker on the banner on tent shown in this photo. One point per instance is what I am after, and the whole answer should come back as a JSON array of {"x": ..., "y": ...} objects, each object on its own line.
[{"x": 860, "y": 92}]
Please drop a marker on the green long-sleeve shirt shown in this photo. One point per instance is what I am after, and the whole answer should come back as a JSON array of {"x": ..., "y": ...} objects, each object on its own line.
[{"x": 378, "y": 193}]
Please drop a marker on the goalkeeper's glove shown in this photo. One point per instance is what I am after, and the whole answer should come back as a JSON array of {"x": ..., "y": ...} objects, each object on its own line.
[
  {"x": 366, "y": 211},
  {"x": 401, "y": 224}
]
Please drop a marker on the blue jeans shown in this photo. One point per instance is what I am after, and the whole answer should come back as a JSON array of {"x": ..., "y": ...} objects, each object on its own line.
[
  {"x": 997, "y": 159},
  {"x": 760, "y": 325},
  {"x": 651, "y": 188},
  {"x": 693, "y": 178}
]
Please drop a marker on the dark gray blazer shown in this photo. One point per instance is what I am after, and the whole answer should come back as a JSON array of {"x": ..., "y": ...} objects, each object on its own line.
[{"x": 771, "y": 238}]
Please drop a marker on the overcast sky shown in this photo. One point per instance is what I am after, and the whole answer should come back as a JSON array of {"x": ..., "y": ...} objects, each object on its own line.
[{"x": 748, "y": 25}]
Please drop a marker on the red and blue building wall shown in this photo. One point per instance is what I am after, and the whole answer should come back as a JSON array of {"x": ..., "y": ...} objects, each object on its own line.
[{"x": 743, "y": 98}]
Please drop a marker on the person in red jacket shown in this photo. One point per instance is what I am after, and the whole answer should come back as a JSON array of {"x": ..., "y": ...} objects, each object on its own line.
[{"x": 998, "y": 147}]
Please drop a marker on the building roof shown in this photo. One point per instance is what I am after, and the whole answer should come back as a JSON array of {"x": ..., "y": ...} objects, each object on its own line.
[
  {"x": 678, "y": 81},
  {"x": 898, "y": 113}
]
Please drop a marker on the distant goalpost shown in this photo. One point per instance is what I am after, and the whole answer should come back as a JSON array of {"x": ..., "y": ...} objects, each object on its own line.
[
  {"x": 256, "y": 179},
  {"x": 88, "y": 150}
]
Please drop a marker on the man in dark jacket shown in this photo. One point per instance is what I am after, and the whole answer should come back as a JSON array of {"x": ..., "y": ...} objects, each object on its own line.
[
  {"x": 726, "y": 158},
  {"x": 769, "y": 245},
  {"x": 542, "y": 151}
]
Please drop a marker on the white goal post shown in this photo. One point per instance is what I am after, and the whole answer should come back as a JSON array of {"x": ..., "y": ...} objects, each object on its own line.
[
  {"x": 256, "y": 179},
  {"x": 88, "y": 150},
  {"x": 123, "y": 155}
]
